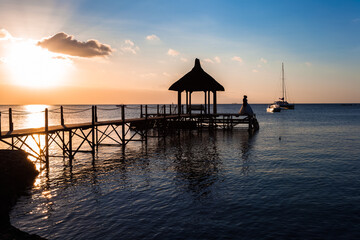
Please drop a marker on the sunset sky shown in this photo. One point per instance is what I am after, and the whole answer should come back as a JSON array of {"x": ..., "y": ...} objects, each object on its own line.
[{"x": 114, "y": 52}]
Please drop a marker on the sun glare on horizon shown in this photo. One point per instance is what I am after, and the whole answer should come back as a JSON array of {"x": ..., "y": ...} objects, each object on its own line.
[{"x": 32, "y": 66}]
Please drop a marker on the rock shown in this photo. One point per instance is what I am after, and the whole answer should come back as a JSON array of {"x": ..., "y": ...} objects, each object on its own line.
[{"x": 17, "y": 175}]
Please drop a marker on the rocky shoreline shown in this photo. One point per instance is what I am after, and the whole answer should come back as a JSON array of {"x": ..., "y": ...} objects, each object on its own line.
[{"x": 17, "y": 175}]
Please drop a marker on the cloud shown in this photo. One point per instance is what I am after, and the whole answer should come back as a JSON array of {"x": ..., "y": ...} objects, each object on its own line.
[
  {"x": 255, "y": 71},
  {"x": 208, "y": 60},
  {"x": 356, "y": 20},
  {"x": 217, "y": 59},
  {"x": 237, "y": 59},
  {"x": 308, "y": 64},
  {"x": 129, "y": 46},
  {"x": 66, "y": 44},
  {"x": 184, "y": 59},
  {"x": 152, "y": 37},
  {"x": 166, "y": 74},
  {"x": 4, "y": 34},
  {"x": 263, "y": 60},
  {"x": 172, "y": 52}
]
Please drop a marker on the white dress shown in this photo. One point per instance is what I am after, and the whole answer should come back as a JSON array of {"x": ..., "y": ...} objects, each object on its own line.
[{"x": 246, "y": 111}]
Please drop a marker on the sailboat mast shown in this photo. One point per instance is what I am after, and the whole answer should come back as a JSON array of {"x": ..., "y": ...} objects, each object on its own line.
[{"x": 283, "y": 84}]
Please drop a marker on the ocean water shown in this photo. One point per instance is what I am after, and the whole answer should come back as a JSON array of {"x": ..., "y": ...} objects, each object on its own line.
[{"x": 298, "y": 177}]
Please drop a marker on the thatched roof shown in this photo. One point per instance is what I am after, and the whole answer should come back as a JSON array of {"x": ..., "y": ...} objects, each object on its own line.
[{"x": 197, "y": 80}]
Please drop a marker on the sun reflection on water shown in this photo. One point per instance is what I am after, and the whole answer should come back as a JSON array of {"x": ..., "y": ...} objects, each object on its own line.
[{"x": 35, "y": 116}]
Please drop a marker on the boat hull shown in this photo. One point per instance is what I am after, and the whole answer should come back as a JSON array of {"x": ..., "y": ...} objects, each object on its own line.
[
  {"x": 290, "y": 106},
  {"x": 273, "y": 108},
  {"x": 285, "y": 105}
]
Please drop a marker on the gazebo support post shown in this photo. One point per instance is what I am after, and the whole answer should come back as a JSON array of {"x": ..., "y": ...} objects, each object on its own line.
[
  {"x": 214, "y": 103},
  {"x": 179, "y": 102},
  {"x": 190, "y": 100},
  {"x": 208, "y": 102},
  {"x": 205, "y": 103},
  {"x": 187, "y": 102}
]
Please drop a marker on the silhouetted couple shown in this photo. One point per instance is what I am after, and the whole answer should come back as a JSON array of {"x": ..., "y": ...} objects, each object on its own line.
[{"x": 245, "y": 108}]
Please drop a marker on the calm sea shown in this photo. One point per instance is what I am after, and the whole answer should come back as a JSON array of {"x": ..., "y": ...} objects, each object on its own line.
[{"x": 297, "y": 178}]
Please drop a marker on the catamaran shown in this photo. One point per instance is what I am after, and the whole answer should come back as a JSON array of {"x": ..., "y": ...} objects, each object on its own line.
[{"x": 282, "y": 103}]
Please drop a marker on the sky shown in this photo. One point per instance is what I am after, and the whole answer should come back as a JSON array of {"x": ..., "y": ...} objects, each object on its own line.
[{"x": 130, "y": 52}]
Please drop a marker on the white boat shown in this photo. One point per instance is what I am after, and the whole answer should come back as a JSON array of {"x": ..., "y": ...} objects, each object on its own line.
[
  {"x": 273, "y": 108},
  {"x": 283, "y": 104}
]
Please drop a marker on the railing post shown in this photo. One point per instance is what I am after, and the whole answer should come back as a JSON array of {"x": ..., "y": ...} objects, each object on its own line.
[
  {"x": 141, "y": 111},
  {"x": 0, "y": 124},
  {"x": 47, "y": 138},
  {"x": 63, "y": 132},
  {"x": 146, "y": 122},
  {"x": 62, "y": 116},
  {"x": 123, "y": 127},
  {"x": 11, "y": 125},
  {"x": 170, "y": 109},
  {"x": 164, "y": 112}
]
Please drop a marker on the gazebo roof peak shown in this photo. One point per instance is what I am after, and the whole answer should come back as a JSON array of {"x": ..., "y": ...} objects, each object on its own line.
[{"x": 196, "y": 80}]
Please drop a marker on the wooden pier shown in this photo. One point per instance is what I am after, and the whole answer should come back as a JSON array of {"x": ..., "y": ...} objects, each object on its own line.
[{"x": 92, "y": 134}]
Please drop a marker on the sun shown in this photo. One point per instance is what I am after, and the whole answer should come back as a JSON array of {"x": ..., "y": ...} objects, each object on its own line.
[{"x": 32, "y": 66}]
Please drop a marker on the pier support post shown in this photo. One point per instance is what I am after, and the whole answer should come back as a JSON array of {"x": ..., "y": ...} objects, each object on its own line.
[
  {"x": 0, "y": 124},
  {"x": 96, "y": 130},
  {"x": 157, "y": 110},
  {"x": 70, "y": 148},
  {"x": 62, "y": 122},
  {"x": 47, "y": 138},
  {"x": 93, "y": 131},
  {"x": 123, "y": 127},
  {"x": 250, "y": 124},
  {"x": 11, "y": 127},
  {"x": 141, "y": 111}
]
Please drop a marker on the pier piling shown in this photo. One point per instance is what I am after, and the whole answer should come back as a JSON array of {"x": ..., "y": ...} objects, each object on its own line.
[{"x": 47, "y": 138}]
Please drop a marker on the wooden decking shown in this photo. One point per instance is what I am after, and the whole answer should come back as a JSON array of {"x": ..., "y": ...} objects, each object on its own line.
[{"x": 87, "y": 125}]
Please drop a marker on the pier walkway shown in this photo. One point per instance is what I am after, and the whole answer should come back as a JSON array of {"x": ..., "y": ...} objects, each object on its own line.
[{"x": 72, "y": 138}]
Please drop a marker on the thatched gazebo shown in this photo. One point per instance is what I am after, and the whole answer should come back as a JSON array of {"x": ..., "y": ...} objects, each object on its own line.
[{"x": 197, "y": 80}]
